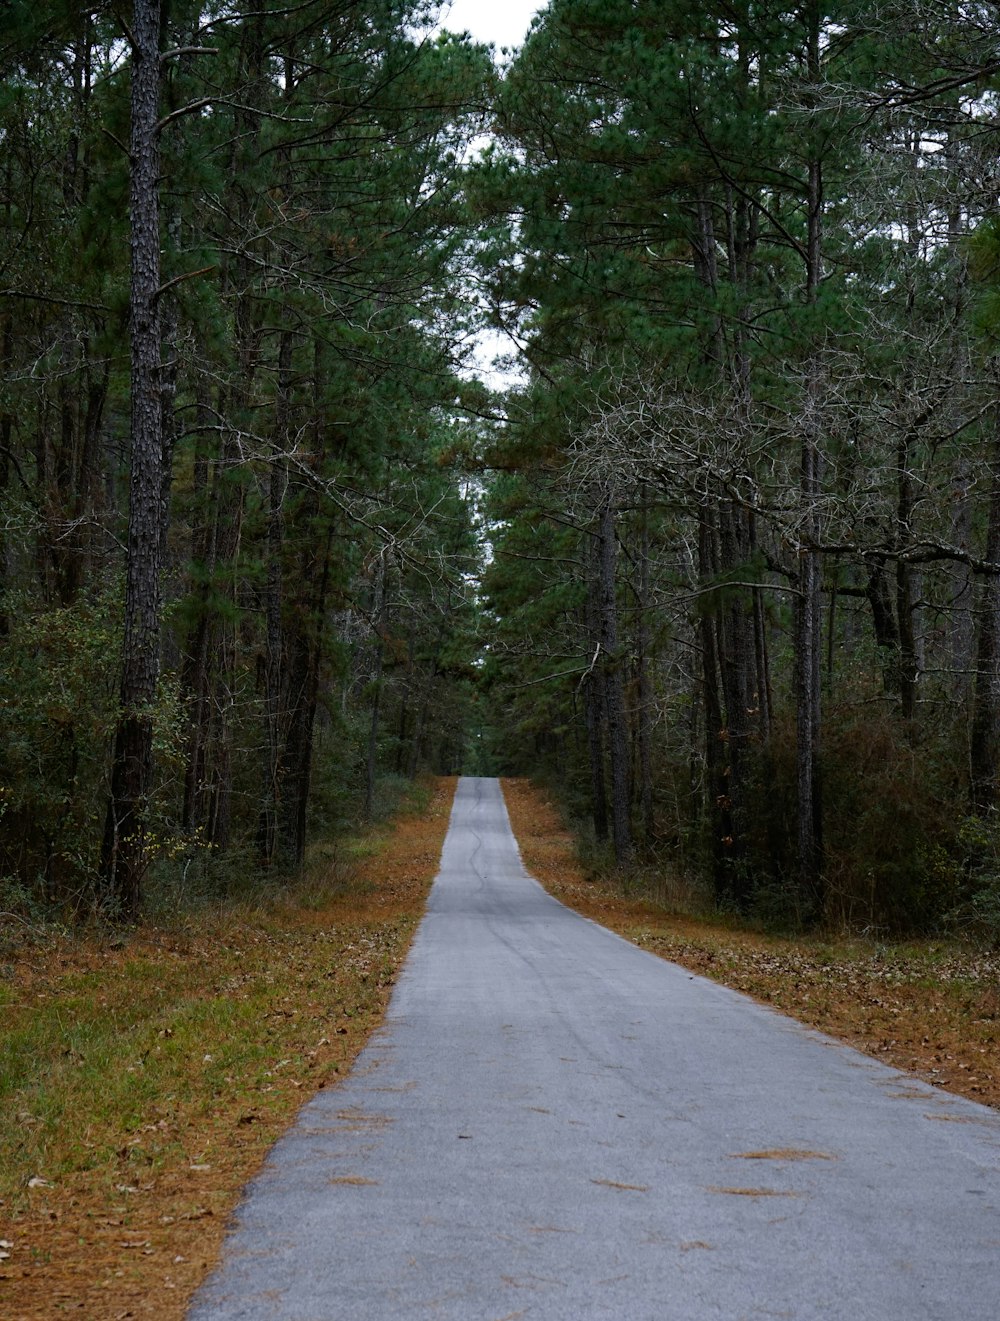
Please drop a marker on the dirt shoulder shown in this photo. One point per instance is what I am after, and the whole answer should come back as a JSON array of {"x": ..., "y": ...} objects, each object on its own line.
[
  {"x": 143, "y": 1085},
  {"x": 931, "y": 1008}
]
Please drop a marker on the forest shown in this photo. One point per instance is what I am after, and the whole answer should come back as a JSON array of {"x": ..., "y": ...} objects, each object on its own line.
[{"x": 720, "y": 561}]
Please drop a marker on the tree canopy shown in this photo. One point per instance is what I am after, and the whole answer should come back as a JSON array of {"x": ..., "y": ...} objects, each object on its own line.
[{"x": 723, "y": 563}]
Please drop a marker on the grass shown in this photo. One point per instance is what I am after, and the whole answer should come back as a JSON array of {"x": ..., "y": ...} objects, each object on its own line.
[
  {"x": 929, "y": 1007},
  {"x": 143, "y": 1079}
]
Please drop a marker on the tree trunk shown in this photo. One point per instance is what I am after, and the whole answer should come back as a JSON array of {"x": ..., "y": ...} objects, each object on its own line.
[
  {"x": 737, "y": 665},
  {"x": 593, "y": 698},
  {"x": 124, "y": 852},
  {"x": 808, "y": 629},
  {"x": 379, "y": 626},
  {"x": 716, "y": 787},
  {"x": 594, "y": 714},
  {"x": 961, "y": 627},
  {"x": 984, "y": 735},
  {"x": 614, "y": 689},
  {"x": 305, "y": 648},
  {"x": 273, "y": 643},
  {"x": 762, "y": 696},
  {"x": 884, "y": 624},
  {"x": 807, "y": 705},
  {"x": 644, "y": 716},
  {"x": 170, "y": 348},
  {"x": 905, "y": 603},
  {"x": 194, "y": 671},
  {"x": 6, "y": 435}
]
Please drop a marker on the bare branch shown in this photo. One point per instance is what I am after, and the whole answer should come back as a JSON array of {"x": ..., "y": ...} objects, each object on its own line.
[
  {"x": 187, "y": 50},
  {"x": 191, "y": 108},
  {"x": 57, "y": 302},
  {"x": 179, "y": 279}
]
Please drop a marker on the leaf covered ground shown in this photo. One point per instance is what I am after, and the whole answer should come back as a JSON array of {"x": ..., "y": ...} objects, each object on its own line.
[
  {"x": 931, "y": 1008},
  {"x": 144, "y": 1078}
]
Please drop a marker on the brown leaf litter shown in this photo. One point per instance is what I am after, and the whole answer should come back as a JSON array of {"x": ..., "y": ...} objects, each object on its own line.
[
  {"x": 930, "y": 1008},
  {"x": 123, "y": 1214}
]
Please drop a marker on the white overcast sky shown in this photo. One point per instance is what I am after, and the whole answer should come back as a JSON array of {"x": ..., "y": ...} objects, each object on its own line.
[{"x": 504, "y": 22}]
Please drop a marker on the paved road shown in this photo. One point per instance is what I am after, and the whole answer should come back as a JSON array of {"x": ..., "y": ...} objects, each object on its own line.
[{"x": 554, "y": 1124}]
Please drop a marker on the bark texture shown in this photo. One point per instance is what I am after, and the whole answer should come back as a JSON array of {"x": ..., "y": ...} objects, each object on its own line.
[{"x": 124, "y": 854}]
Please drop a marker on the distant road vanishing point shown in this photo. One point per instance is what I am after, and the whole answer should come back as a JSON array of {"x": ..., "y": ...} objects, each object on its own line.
[{"x": 553, "y": 1124}]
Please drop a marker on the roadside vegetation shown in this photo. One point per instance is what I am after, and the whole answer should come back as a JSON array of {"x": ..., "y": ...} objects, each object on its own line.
[
  {"x": 745, "y": 573},
  {"x": 145, "y": 1074},
  {"x": 930, "y": 1007}
]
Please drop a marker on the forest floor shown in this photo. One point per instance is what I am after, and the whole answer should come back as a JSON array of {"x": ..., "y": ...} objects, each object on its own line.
[
  {"x": 144, "y": 1078},
  {"x": 931, "y": 1008}
]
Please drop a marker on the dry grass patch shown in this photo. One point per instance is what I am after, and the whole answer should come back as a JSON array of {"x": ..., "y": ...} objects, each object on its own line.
[
  {"x": 142, "y": 1085},
  {"x": 930, "y": 1007}
]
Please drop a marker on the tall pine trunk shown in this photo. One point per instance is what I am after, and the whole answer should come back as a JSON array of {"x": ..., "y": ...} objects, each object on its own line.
[
  {"x": 905, "y": 586},
  {"x": 961, "y": 628},
  {"x": 808, "y": 630},
  {"x": 124, "y": 853},
  {"x": 304, "y": 642},
  {"x": 274, "y": 675},
  {"x": 644, "y": 715},
  {"x": 123, "y": 856},
  {"x": 593, "y": 697},
  {"x": 984, "y": 736},
  {"x": 378, "y": 624},
  {"x": 614, "y": 689},
  {"x": 808, "y": 648},
  {"x": 716, "y": 786},
  {"x": 737, "y": 666}
]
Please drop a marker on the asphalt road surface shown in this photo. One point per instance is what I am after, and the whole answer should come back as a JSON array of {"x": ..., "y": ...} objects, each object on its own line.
[{"x": 555, "y": 1124}]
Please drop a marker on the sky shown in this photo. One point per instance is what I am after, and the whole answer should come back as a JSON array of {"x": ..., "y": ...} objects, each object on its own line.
[{"x": 504, "y": 22}]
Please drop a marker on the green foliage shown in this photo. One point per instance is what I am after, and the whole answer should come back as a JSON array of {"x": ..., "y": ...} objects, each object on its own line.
[
  {"x": 881, "y": 842},
  {"x": 57, "y": 710},
  {"x": 895, "y": 841},
  {"x": 970, "y": 874},
  {"x": 313, "y": 224},
  {"x": 729, "y": 239},
  {"x": 58, "y": 707},
  {"x": 641, "y": 224},
  {"x": 984, "y": 260}
]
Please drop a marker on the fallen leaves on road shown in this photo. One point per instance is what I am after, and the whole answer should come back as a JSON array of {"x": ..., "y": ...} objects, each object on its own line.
[
  {"x": 625, "y": 1187},
  {"x": 752, "y": 1192},
  {"x": 782, "y": 1153}
]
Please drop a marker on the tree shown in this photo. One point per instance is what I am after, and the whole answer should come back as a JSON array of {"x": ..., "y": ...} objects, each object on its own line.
[
  {"x": 739, "y": 236},
  {"x": 124, "y": 852},
  {"x": 293, "y": 325}
]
